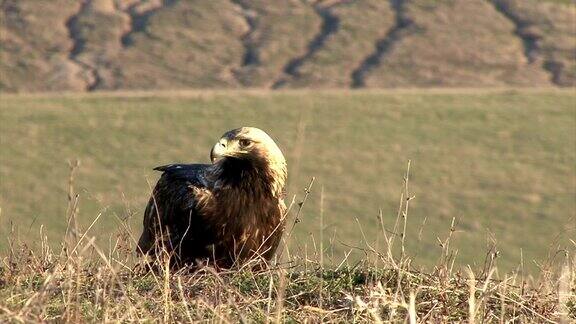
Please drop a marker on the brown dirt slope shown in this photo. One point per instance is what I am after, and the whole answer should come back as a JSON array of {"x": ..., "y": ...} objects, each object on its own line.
[
  {"x": 454, "y": 43},
  {"x": 34, "y": 46},
  {"x": 271, "y": 41},
  {"x": 185, "y": 44},
  {"x": 87, "y": 45},
  {"x": 345, "y": 38},
  {"x": 548, "y": 29},
  {"x": 95, "y": 30}
]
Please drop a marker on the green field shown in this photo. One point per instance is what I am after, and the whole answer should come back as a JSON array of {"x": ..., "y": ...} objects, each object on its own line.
[{"x": 503, "y": 163}]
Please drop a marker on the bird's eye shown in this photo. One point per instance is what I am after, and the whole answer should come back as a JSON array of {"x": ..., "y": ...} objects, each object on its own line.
[{"x": 244, "y": 142}]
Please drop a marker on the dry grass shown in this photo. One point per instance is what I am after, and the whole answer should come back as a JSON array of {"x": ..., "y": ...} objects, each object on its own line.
[{"x": 82, "y": 282}]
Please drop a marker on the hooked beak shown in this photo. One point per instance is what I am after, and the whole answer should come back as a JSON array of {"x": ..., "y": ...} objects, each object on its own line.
[{"x": 218, "y": 151}]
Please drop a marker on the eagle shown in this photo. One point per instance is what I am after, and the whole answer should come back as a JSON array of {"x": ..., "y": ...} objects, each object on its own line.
[{"x": 222, "y": 214}]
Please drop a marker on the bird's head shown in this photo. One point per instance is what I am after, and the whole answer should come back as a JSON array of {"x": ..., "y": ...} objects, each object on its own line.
[{"x": 253, "y": 146}]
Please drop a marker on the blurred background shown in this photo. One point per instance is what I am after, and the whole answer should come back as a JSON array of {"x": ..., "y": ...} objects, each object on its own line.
[{"x": 477, "y": 94}]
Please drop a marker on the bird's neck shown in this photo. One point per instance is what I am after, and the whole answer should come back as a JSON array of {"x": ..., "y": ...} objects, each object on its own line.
[{"x": 245, "y": 177}]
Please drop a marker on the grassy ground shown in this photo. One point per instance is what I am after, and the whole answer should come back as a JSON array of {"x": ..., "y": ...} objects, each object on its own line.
[
  {"x": 84, "y": 283},
  {"x": 502, "y": 163}
]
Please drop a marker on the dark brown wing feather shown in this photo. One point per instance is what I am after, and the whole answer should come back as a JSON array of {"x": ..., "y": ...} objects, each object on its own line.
[{"x": 171, "y": 220}]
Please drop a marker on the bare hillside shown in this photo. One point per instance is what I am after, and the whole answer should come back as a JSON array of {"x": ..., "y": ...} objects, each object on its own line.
[{"x": 87, "y": 45}]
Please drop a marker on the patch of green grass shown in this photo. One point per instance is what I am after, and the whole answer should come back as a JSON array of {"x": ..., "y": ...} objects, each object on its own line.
[{"x": 501, "y": 162}]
